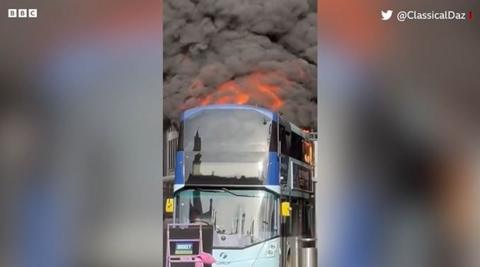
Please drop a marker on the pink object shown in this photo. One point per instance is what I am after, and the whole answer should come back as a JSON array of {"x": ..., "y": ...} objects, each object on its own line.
[{"x": 205, "y": 258}]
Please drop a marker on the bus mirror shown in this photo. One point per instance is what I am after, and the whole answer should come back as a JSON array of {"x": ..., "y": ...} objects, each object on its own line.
[
  {"x": 169, "y": 205},
  {"x": 286, "y": 209}
]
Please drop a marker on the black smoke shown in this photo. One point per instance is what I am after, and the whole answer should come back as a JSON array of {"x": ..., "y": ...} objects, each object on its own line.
[{"x": 209, "y": 42}]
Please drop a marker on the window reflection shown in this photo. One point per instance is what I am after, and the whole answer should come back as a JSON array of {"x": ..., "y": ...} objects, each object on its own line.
[
  {"x": 240, "y": 217},
  {"x": 221, "y": 144}
]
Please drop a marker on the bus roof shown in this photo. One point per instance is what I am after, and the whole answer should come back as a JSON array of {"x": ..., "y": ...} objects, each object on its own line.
[
  {"x": 268, "y": 113},
  {"x": 190, "y": 112},
  {"x": 297, "y": 130}
]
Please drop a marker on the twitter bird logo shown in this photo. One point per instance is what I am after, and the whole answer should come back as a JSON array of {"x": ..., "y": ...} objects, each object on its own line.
[{"x": 386, "y": 15}]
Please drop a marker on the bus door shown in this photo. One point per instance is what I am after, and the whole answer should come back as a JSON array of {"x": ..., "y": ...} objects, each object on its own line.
[{"x": 298, "y": 231}]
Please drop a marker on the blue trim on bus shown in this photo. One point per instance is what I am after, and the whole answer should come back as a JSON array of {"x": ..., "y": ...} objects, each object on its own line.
[
  {"x": 273, "y": 177},
  {"x": 190, "y": 112},
  {"x": 179, "y": 169},
  {"x": 276, "y": 117}
]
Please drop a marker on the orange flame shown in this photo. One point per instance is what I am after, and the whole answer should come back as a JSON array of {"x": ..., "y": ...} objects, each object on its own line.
[
  {"x": 258, "y": 88},
  {"x": 228, "y": 92}
]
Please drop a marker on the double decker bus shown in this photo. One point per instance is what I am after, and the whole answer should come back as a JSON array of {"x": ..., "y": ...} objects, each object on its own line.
[{"x": 248, "y": 174}]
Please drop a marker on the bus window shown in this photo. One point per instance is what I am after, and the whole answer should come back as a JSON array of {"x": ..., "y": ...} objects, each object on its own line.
[
  {"x": 273, "y": 135},
  {"x": 308, "y": 221},
  {"x": 308, "y": 152},
  {"x": 283, "y": 140},
  {"x": 296, "y": 149}
]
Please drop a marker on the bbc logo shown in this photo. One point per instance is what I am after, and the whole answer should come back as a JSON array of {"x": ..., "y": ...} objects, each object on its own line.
[{"x": 22, "y": 13}]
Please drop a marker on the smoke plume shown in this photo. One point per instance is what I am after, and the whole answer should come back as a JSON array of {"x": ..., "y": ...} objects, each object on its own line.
[{"x": 241, "y": 51}]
